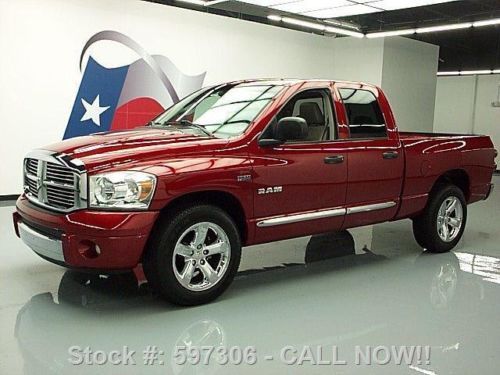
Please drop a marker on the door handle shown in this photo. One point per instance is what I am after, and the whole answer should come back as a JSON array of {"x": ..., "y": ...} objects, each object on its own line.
[
  {"x": 335, "y": 159},
  {"x": 390, "y": 155}
]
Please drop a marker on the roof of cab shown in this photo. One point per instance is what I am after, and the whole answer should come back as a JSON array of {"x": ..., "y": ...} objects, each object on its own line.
[{"x": 293, "y": 81}]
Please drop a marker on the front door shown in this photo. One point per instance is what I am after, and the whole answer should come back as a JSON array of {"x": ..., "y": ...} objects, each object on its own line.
[{"x": 300, "y": 186}]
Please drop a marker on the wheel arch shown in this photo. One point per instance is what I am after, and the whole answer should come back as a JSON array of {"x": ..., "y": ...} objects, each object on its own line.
[
  {"x": 457, "y": 177},
  {"x": 221, "y": 199}
]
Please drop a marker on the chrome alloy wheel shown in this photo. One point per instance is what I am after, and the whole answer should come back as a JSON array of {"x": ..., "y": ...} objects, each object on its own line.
[
  {"x": 201, "y": 256},
  {"x": 450, "y": 219}
]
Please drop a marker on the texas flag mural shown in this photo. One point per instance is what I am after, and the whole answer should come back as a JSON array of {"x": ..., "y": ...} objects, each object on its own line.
[{"x": 128, "y": 96}]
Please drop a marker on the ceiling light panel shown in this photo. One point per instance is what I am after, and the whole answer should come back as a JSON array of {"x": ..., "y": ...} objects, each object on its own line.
[
  {"x": 494, "y": 21},
  {"x": 302, "y": 23},
  {"x": 340, "y": 8},
  {"x": 473, "y": 72},
  {"x": 391, "y": 33},
  {"x": 432, "y": 29},
  {"x": 303, "y": 6}
]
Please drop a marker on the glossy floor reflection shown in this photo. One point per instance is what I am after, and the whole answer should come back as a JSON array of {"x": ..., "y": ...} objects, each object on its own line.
[{"x": 370, "y": 286}]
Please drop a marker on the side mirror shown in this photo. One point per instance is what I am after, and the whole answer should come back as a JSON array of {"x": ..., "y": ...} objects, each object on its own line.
[
  {"x": 287, "y": 129},
  {"x": 291, "y": 129}
]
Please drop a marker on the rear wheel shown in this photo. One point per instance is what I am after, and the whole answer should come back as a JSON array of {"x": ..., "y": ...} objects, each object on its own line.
[
  {"x": 439, "y": 228},
  {"x": 193, "y": 255}
]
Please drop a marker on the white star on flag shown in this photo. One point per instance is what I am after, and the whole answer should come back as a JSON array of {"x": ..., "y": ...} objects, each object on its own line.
[{"x": 93, "y": 111}]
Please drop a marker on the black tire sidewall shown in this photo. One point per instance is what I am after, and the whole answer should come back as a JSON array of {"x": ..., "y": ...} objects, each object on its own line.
[
  {"x": 426, "y": 225},
  {"x": 160, "y": 264}
]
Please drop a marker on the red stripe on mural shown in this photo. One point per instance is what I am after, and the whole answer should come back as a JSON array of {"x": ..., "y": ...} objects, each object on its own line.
[{"x": 135, "y": 113}]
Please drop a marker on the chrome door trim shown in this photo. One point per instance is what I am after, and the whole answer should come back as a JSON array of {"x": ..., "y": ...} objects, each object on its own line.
[
  {"x": 322, "y": 214},
  {"x": 295, "y": 218},
  {"x": 370, "y": 207}
]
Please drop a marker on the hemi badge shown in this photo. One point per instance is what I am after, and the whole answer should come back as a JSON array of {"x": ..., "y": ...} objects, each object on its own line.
[{"x": 244, "y": 178}]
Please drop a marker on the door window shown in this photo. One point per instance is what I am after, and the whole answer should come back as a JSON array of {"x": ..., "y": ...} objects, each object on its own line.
[
  {"x": 315, "y": 107},
  {"x": 363, "y": 113}
]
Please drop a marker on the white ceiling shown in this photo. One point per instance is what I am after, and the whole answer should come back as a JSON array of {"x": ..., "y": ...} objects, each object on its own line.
[{"x": 340, "y": 8}]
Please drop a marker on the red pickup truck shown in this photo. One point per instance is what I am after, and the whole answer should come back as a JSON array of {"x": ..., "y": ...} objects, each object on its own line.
[{"x": 239, "y": 164}]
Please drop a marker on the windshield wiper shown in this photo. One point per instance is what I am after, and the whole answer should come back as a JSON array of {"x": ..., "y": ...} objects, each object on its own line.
[
  {"x": 189, "y": 123},
  {"x": 154, "y": 123}
]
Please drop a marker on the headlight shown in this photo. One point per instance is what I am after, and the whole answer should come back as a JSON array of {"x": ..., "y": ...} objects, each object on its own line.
[{"x": 123, "y": 190}]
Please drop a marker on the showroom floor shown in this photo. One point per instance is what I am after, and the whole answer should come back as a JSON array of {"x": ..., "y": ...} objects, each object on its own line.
[{"x": 351, "y": 292}]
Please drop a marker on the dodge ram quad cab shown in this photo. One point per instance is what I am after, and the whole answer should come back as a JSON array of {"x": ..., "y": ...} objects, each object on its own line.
[{"x": 238, "y": 164}]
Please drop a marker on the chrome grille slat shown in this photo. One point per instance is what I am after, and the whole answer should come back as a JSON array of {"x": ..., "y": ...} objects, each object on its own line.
[
  {"x": 58, "y": 203},
  {"x": 58, "y": 173},
  {"x": 60, "y": 180},
  {"x": 51, "y": 166},
  {"x": 32, "y": 166},
  {"x": 32, "y": 186},
  {"x": 59, "y": 177},
  {"x": 56, "y": 166},
  {"x": 50, "y": 184},
  {"x": 65, "y": 195},
  {"x": 60, "y": 200},
  {"x": 61, "y": 193}
]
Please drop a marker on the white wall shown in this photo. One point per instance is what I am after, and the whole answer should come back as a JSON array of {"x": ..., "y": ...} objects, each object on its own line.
[
  {"x": 409, "y": 81},
  {"x": 486, "y": 117},
  {"x": 358, "y": 60},
  {"x": 41, "y": 46},
  {"x": 463, "y": 105},
  {"x": 454, "y": 104}
]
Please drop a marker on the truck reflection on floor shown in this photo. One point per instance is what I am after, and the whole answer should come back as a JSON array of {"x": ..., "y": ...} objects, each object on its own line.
[{"x": 335, "y": 297}]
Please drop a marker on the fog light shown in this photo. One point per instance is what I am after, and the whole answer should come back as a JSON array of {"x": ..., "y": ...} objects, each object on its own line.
[{"x": 89, "y": 249}]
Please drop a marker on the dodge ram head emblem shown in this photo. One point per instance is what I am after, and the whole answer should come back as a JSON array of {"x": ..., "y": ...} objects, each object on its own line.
[{"x": 270, "y": 190}]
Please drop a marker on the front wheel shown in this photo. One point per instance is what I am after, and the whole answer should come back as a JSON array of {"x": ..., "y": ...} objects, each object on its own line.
[
  {"x": 193, "y": 255},
  {"x": 439, "y": 228}
]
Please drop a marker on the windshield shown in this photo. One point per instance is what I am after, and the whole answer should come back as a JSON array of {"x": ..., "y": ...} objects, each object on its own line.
[{"x": 225, "y": 111}]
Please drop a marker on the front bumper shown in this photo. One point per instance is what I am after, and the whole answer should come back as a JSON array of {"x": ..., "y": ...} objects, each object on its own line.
[
  {"x": 41, "y": 244},
  {"x": 86, "y": 239}
]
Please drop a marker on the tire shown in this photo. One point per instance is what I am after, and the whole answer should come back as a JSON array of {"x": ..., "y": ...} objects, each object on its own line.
[
  {"x": 425, "y": 226},
  {"x": 176, "y": 262}
]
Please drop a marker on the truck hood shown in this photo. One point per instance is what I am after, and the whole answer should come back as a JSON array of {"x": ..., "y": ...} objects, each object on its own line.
[{"x": 110, "y": 149}]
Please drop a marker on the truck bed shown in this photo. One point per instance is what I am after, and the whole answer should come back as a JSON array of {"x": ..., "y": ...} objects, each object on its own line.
[{"x": 467, "y": 158}]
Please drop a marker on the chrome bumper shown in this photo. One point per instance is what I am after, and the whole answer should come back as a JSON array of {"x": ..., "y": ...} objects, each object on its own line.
[{"x": 41, "y": 244}]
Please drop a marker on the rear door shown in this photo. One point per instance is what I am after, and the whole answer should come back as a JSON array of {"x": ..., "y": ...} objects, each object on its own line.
[
  {"x": 376, "y": 159},
  {"x": 299, "y": 186}
]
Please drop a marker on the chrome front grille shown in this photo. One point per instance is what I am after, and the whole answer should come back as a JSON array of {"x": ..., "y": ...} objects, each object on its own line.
[
  {"x": 52, "y": 184},
  {"x": 59, "y": 174}
]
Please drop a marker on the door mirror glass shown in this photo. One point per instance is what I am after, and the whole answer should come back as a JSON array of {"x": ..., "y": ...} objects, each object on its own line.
[{"x": 291, "y": 129}]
